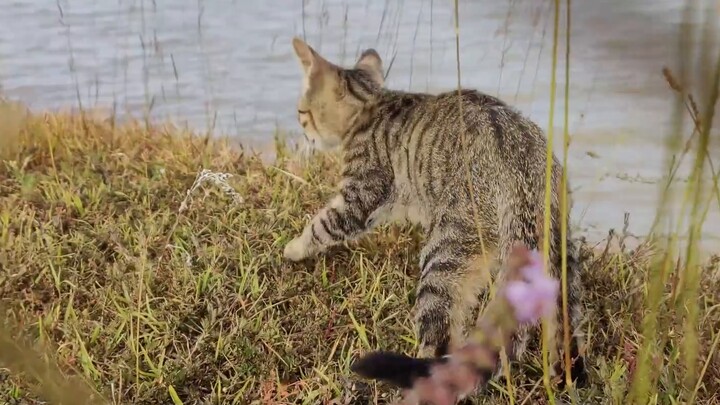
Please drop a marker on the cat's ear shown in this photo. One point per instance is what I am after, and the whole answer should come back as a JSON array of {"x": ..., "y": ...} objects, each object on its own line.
[
  {"x": 310, "y": 60},
  {"x": 371, "y": 62}
]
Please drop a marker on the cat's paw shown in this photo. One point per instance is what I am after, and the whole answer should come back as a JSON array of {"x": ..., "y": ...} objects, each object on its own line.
[{"x": 296, "y": 250}]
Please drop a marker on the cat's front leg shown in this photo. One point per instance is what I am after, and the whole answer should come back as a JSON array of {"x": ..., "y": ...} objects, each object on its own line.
[
  {"x": 308, "y": 243},
  {"x": 298, "y": 248},
  {"x": 345, "y": 217}
]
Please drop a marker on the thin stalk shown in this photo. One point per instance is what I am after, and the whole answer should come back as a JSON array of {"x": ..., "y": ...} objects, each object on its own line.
[
  {"x": 661, "y": 268},
  {"x": 692, "y": 270},
  {"x": 471, "y": 190},
  {"x": 564, "y": 205},
  {"x": 548, "y": 195}
]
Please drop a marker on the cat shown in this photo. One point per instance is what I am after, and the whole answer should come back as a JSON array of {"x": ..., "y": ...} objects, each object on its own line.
[{"x": 465, "y": 166}]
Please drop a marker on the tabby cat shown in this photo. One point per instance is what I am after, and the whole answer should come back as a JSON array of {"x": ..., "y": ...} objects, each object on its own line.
[{"x": 465, "y": 166}]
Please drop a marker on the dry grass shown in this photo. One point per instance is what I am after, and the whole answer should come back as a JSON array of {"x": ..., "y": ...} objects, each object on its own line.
[{"x": 151, "y": 304}]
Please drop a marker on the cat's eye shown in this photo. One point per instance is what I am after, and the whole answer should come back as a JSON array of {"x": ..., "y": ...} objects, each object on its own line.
[{"x": 303, "y": 111}]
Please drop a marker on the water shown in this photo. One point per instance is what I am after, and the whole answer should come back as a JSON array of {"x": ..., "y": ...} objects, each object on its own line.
[{"x": 228, "y": 66}]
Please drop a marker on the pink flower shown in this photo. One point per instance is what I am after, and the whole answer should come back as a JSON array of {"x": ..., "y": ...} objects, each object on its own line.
[{"x": 534, "y": 295}]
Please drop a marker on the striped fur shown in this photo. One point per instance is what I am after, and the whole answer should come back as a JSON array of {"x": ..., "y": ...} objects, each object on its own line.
[{"x": 465, "y": 166}]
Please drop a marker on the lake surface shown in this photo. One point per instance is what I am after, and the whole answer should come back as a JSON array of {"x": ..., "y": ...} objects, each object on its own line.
[{"x": 228, "y": 66}]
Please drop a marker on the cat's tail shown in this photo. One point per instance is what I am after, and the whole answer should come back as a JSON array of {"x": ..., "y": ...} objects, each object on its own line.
[
  {"x": 438, "y": 381},
  {"x": 397, "y": 369}
]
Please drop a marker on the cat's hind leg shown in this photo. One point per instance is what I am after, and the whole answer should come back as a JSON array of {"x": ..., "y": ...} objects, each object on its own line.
[{"x": 454, "y": 271}]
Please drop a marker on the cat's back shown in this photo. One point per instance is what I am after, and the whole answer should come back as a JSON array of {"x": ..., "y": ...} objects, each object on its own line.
[
  {"x": 468, "y": 111},
  {"x": 468, "y": 122},
  {"x": 430, "y": 137}
]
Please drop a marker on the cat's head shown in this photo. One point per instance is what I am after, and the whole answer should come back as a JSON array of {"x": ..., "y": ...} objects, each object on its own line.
[{"x": 333, "y": 96}]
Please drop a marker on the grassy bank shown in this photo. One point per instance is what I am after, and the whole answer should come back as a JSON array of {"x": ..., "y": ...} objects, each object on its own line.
[{"x": 109, "y": 269}]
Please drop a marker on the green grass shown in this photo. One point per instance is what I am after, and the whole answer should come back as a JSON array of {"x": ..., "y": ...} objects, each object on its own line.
[
  {"x": 103, "y": 275},
  {"x": 114, "y": 281}
]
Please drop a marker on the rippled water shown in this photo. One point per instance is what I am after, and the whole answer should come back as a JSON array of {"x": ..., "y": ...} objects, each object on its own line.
[{"x": 228, "y": 65}]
